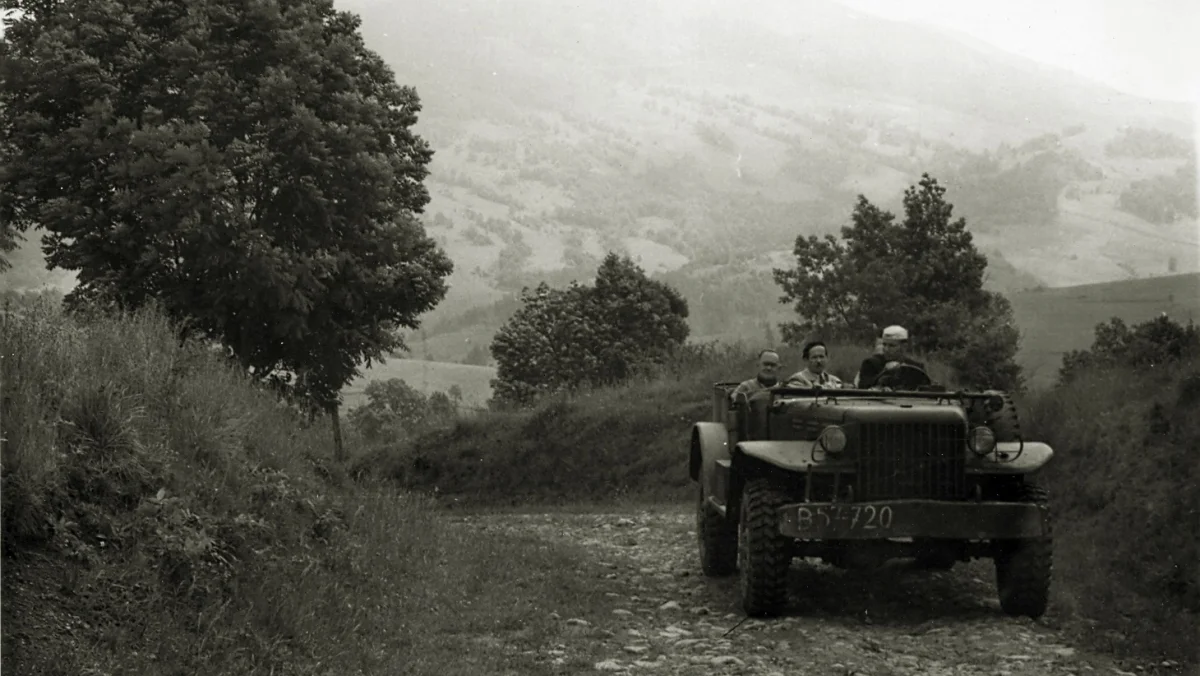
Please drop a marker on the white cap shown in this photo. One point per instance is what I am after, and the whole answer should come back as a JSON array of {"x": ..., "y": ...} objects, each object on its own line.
[{"x": 895, "y": 333}]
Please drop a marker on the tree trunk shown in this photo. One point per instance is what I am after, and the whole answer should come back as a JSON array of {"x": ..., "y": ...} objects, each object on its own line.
[{"x": 339, "y": 451}]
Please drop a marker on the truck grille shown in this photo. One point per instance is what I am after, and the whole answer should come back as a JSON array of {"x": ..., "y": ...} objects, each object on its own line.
[{"x": 911, "y": 460}]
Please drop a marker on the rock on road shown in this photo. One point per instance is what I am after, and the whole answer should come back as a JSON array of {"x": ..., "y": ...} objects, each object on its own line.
[{"x": 667, "y": 618}]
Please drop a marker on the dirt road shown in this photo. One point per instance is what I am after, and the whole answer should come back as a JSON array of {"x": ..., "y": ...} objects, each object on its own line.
[{"x": 666, "y": 618}]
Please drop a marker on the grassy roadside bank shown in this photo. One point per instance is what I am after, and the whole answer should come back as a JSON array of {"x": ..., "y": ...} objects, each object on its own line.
[
  {"x": 1127, "y": 510},
  {"x": 160, "y": 515}
]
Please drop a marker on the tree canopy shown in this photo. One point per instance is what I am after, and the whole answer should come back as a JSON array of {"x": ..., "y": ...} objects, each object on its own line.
[
  {"x": 923, "y": 273},
  {"x": 251, "y": 167},
  {"x": 562, "y": 339}
]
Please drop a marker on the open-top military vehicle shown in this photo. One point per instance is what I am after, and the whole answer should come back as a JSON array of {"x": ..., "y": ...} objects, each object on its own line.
[{"x": 856, "y": 477}]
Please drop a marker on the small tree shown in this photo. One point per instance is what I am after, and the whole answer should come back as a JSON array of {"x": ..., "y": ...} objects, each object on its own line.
[
  {"x": 251, "y": 168},
  {"x": 923, "y": 273},
  {"x": 1152, "y": 343},
  {"x": 638, "y": 321},
  {"x": 563, "y": 339},
  {"x": 395, "y": 410}
]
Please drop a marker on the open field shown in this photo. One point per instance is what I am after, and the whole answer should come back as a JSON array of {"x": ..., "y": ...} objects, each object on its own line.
[
  {"x": 427, "y": 377},
  {"x": 1055, "y": 321}
]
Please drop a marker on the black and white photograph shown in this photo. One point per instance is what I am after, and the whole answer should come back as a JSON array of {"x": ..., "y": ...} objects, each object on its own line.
[{"x": 630, "y": 337}]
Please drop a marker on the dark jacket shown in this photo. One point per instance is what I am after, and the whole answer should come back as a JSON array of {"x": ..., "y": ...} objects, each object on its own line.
[{"x": 872, "y": 367}]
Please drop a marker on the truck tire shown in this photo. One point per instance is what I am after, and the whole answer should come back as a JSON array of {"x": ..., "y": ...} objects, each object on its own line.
[
  {"x": 1024, "y": 567},
  {"x": 717, "y": 537},
  {"x": 1004, "y": 423},
  {"x": 764, "y": 555}
]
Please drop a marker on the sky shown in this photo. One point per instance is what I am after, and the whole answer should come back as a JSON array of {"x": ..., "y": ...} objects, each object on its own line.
[{"x": 1144, "y": 47}]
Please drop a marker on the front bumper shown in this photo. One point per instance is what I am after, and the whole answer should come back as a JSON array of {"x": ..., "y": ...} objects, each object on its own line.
[{"x": 885, "y": 519}]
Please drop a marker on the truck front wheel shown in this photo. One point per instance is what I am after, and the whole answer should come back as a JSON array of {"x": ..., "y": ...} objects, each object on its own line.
[
  {"x": 764, "y": 555},
  {"x": 1024, "y": 567}
]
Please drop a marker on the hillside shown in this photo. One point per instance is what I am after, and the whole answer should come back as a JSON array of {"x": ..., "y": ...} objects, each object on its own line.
[{"x": 704, "y": 141}]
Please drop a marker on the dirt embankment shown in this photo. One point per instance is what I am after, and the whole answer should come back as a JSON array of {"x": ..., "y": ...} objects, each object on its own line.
[{"x": 663, "y": 617}]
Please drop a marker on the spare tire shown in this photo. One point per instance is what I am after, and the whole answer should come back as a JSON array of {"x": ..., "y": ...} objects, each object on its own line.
[{"x": 1004, "y": 423}]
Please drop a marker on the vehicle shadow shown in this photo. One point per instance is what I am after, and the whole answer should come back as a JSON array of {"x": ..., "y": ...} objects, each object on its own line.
[{"x": 899, "y": 593}]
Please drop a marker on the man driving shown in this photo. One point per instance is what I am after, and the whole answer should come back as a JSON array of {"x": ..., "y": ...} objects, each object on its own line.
[
  {"x": 768, "y": 367},
  {"x": 815, "y": 375},
  {"x": 895, "y": 340}
]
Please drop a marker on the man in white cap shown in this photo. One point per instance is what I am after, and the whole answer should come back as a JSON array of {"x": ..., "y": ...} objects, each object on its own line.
[{"x": 894, "y": 339}]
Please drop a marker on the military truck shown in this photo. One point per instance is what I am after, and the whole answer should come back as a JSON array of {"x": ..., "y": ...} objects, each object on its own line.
[{"x": 856, "y": 477}]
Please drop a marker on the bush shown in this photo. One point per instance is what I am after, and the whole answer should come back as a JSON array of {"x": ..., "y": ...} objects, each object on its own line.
[
  {"x": 1159, "y": 342},
  {"x": 395, "y": 410},
  {"x": 1126, "y": 506}
]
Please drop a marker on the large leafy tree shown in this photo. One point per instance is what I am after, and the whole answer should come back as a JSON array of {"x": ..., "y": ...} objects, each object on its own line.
[
  {"x": 923, "y": 273},
  {"x": 251, "y": 166},
  {"x": 563, "y": 339}
]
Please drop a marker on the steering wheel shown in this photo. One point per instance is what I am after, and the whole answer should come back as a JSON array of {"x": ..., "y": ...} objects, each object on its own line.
[{"x": 903, "y": 377}]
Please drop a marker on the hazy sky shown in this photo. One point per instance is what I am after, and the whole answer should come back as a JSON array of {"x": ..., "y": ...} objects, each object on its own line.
[{"x": 1145, "y": 47}]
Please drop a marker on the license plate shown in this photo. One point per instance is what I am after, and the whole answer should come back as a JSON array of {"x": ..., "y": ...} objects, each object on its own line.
[{"x": 845, "y": 518}]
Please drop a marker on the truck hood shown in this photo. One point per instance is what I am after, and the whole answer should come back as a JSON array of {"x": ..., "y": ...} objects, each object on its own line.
[
  {"x": 885, "y": 410},
  {"x": 903, "y": 411}
]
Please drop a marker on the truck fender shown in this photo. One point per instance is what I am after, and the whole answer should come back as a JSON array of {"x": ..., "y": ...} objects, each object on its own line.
[
  {"x": 787, "y": 455},
  {"x": 710, "y": 444},
  {"x": 1016, "y": 457}
]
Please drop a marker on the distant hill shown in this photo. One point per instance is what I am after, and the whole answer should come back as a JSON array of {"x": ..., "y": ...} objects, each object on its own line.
[
  {"x": 703, "y": 138},
  {"x": 1054, "y": 321}
]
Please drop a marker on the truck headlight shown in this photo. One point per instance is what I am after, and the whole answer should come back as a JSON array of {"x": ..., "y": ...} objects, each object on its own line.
[
  {"x": 981, "y": 440},
  {"x": 832, "y": 439}
]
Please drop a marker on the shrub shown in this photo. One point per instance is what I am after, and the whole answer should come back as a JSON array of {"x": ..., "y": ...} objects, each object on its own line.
[
  {"x": 395, "y": 410},
  {"x": 1159, "y": 342},
  {"x": 1125, "y": 502}
]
